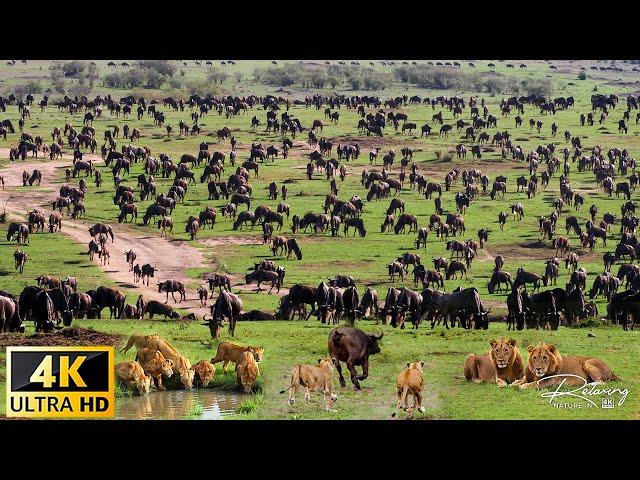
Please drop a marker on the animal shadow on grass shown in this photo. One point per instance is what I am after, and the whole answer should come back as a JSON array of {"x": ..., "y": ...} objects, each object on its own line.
[{"x": 74, "y": 262}]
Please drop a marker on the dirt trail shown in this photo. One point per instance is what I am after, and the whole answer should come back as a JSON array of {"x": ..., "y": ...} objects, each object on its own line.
[{"x": 170, "y": 257}]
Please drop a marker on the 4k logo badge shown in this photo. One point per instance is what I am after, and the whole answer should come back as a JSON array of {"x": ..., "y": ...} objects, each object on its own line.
[{"x": 60, "y": 382}]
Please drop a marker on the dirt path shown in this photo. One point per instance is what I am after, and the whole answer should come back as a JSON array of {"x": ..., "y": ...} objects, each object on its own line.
[{"x": 170, "y": 257}]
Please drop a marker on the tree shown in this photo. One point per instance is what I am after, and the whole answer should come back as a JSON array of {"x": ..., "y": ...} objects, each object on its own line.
[{"x": 216, "y": 75}]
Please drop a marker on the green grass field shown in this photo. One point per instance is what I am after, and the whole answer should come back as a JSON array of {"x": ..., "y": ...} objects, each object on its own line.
[{"x": 363, "y": 258}]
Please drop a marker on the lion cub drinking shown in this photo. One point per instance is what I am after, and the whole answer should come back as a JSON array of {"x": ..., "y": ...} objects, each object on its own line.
[
  {"x": 545, "y": 361},
  {"x": 502, "y": 364},
  {"x": 411, "y": 382}
]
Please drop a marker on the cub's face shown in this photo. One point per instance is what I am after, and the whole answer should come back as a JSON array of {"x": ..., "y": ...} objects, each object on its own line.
[
  {"x": 167, "y": 368},
  {"x": 186, "y": 377},
  {"x": 258, "y": 353},
  {"x": 416, "y": 366},
  {"x": 503, "y": 351},
  {"x": 326, "y": 364},
  {"x": 205, "y": 372},
  {"x": 143, "y": 382},
  {"x": 541, "y": 358}
]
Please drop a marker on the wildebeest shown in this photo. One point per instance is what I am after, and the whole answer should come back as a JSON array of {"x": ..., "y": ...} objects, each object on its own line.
[
  {"x": 19, "y": 230},
  {"x": 260, "y": 276},
  {"x": 170, "y": 287},
  {"x": 99, "y": 228},
  {"x": 353, "y": 346},
  {"x": 227, "y": 305}
]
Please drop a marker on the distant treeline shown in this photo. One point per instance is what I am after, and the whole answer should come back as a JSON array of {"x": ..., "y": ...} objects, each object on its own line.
[
  {"x": 306, "y": 75},
  {"x": 323, "y": 76},
  {"x": 443, "y": 78}
]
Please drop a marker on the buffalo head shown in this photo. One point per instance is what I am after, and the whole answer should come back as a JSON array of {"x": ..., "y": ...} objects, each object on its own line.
[{"x": 373, "y": 342}]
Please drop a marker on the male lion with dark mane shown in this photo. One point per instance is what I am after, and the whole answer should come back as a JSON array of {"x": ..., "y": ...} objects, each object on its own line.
[
  {"x": 545, "y": 361},
  {"x": 502, "y": 364}
]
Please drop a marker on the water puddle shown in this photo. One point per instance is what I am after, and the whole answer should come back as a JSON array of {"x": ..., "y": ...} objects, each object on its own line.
[{"x": 198, "y": 404}]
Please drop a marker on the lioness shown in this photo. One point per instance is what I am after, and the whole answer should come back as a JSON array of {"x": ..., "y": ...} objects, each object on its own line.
[
  {"x": 545, "y": 361},
  {"x": 247, "y": 371},
  {"x": 317, "y": 378},
  {"x": 154, "y": 363},
  {"x": 181, "y": 364},
  {"x": 230, "y": 352},
  {"x": 502, "y": 364},
  {"x": 132, "y": 376},
  {"x": 411, "y": 381},
  {"x": 205, "y": 371}
]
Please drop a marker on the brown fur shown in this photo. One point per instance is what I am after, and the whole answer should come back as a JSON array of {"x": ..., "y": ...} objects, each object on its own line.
[
  {"x": 247, "y": 371},
  {"x": 316, "y": 378},
  {"x": 132, "y": 376},
  {"x": 205, "y": 371},
  {"x": 154, "y": 363},
  {"x": 230, "y": 352},
  {"x": 410, "y": 381},
  {"x": 545, "y": 359},
  {"x": 484, "y": 368},
  {"x": 181, "y": 364}
]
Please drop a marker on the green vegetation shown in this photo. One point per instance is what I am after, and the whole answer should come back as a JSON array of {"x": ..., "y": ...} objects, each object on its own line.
[{"x": 288, "y": 343}]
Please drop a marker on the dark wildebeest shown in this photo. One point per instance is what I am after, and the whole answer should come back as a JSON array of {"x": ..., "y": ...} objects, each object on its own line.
[
  {"x": 523, "y": 277},
  {"x": 497, "y": 279},
  {"x": 147, "y": 271},
  {"x": 131, "y": 257},
  {"x": 170, "y": 287},
  {"x": 260, "y": 276},
  {"x": 227, "y": 305},
  {"x": 353, "y": 346},
  {"x": 99, "y": 228},
  {"x": 154, "y": 307},
  {"x": 20, "y": 258},
  {"x": 305, "y": 294},
  {"x": 342, "y": 281},
  {"x": 219, "y": 280},
  {"x": 111, "y": 298}
]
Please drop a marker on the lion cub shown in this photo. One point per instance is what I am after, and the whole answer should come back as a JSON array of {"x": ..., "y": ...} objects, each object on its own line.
[
  {"x": 411, "y": 381},
  {"x": 132, "y": 376},
  {"x": 247, "y": 371},
  {"x": 502, "y": 364},
  {"x": 545, "y": 361}
]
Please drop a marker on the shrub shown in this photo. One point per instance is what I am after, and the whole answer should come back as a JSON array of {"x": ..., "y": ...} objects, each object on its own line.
[
  {"x": 216, "y": 75},
  {"x": 161, "y": 67},
  {"x": 582, "y": 75},
  {"x": 33, "y": 87},
  {"x": 73, "y": 68}
]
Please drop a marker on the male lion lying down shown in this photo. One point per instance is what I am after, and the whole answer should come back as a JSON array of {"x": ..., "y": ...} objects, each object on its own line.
[
  {"x": 545, "y": 361},
  {"x": 502, "y": 364}
]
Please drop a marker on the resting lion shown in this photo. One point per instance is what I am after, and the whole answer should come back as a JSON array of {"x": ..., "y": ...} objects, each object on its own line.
[
  {"x": 502, "y": 364},
  {"x": 410, "y": 381},
  {"x": 545, "y": 361},
  {"x": 230, "y": 352}
]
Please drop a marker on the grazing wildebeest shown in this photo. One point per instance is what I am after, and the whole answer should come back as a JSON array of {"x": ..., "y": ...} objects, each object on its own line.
[
  {"x": 404, "y": 220},
  {"x": 153, "y": 307},
  {"x": 497, "y": 279},
  {"x": 454, "y": 267},
  {"x": 105, "y": 297},
  {"x": 523, "y": 277},
  {"x": 55, "y": 222},
  {"x": 353, "y": 346},
  {"x": 227, "y": 305},
  {"x": 19, "y": 230}
]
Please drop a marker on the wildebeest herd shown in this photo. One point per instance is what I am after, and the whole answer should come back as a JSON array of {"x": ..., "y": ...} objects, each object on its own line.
[{"x": 434, "y": 298}]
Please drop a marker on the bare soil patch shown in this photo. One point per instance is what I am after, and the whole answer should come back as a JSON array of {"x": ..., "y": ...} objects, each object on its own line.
[{"x": 65, "y": 337}]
